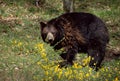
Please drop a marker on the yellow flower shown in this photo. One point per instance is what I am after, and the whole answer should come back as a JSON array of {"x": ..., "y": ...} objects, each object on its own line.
[
  {"x": 46, "y": 72},
  {"x": 103, "y": 69},
  {"x": 70, "y": 71},
  {"x": 46, "y": 59},
  {"x": 35, "y": 77},
  {"x": 41, "y": 50},
  {"x": 116, "y": 79},
  {"x": 75, "y": 71},
  {"x": 28, "y": 36},
  {"x": 39, "y": 63},
  {"x": 39, "y": 46},
  {"x": 97, "y": 75},
  {"x": 75, "y": 65},
  {"x": 92, "y": 58},
  {"x": 90, "y": 70},
  {"x": 44, "y": 67},
  {"x": 56, "y": 69},
  {"x": 60, "y": 73},
  {"x": 106, "y": 79},
  {"x": 14, "y": 42},
  {"x": 109, "y": 75},
  {"x": 106, "y": 70},
  {"x": 80, "y": 66},
  {"x": 66, "y": 74},
  {"x": 87, "y": 75},
  {"x": 94, "y": 64},
  {"x": 70, "y": 77},
  {"x": 86, "y": 60},
  {"x": 43, "y": 55},
  {"x": 81, "y": 74},
  {"x": 19, "y": 44}
]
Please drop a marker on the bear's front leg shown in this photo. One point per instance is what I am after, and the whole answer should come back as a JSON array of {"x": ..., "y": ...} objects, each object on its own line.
[
  {"x": 57, "y": 47},
  {"x": 64, "y": 56},
  {"x": 71, "y": 55},
  {"x": 68, "y": 57}
]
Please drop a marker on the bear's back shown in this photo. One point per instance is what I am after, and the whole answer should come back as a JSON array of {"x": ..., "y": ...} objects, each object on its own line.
[
  {"x": 90, "y": 26},
  {"x": 79, "y": 17}
]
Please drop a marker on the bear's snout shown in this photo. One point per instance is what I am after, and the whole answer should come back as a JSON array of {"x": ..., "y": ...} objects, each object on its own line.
[{"x": 49, "y": 38}]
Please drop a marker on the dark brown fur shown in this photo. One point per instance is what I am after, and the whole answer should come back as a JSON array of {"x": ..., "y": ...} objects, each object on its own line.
[{"x": 78, "y": 32}]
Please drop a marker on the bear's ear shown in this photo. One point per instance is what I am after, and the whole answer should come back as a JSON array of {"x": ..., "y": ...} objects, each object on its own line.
[{"x": 42, "y": 25}]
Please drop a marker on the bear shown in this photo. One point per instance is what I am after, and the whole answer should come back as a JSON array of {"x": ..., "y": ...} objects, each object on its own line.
[{"x": 77, "y": 32}]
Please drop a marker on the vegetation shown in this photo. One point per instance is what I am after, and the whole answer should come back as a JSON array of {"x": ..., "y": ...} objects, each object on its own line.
[{"x": 25, "y": 57}]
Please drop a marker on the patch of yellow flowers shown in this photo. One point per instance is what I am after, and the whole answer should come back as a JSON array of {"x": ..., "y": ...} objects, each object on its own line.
[
  {"x": 16, "y": 43},
  {"x": 49, "y": 71},
  {"x": 75, "y": 72}
]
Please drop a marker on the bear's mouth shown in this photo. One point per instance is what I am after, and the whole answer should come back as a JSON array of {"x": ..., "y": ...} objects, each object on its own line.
[{"x": 50, "y": 42}]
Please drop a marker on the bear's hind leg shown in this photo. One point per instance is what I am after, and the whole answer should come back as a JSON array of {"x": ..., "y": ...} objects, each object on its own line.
[{"x": 97, "y": 55}]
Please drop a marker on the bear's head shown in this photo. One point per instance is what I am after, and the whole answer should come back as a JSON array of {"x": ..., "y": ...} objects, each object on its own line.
[{"x": 51, "y": 32}]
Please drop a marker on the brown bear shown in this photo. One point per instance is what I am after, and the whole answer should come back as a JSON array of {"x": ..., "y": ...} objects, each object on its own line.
[{"x": 77, "y": 32}]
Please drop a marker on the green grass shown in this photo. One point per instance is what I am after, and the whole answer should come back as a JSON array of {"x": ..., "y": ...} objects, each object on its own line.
[{"x": 22, "y": 56}]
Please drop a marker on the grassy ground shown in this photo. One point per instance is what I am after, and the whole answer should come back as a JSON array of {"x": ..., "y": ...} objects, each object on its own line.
[{"x": 24, "y": 56}]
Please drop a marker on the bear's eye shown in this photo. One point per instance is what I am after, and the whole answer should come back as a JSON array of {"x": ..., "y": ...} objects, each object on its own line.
[
  {"x": 45, "y": 30},
  {"x": 53, "y": 33}
]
